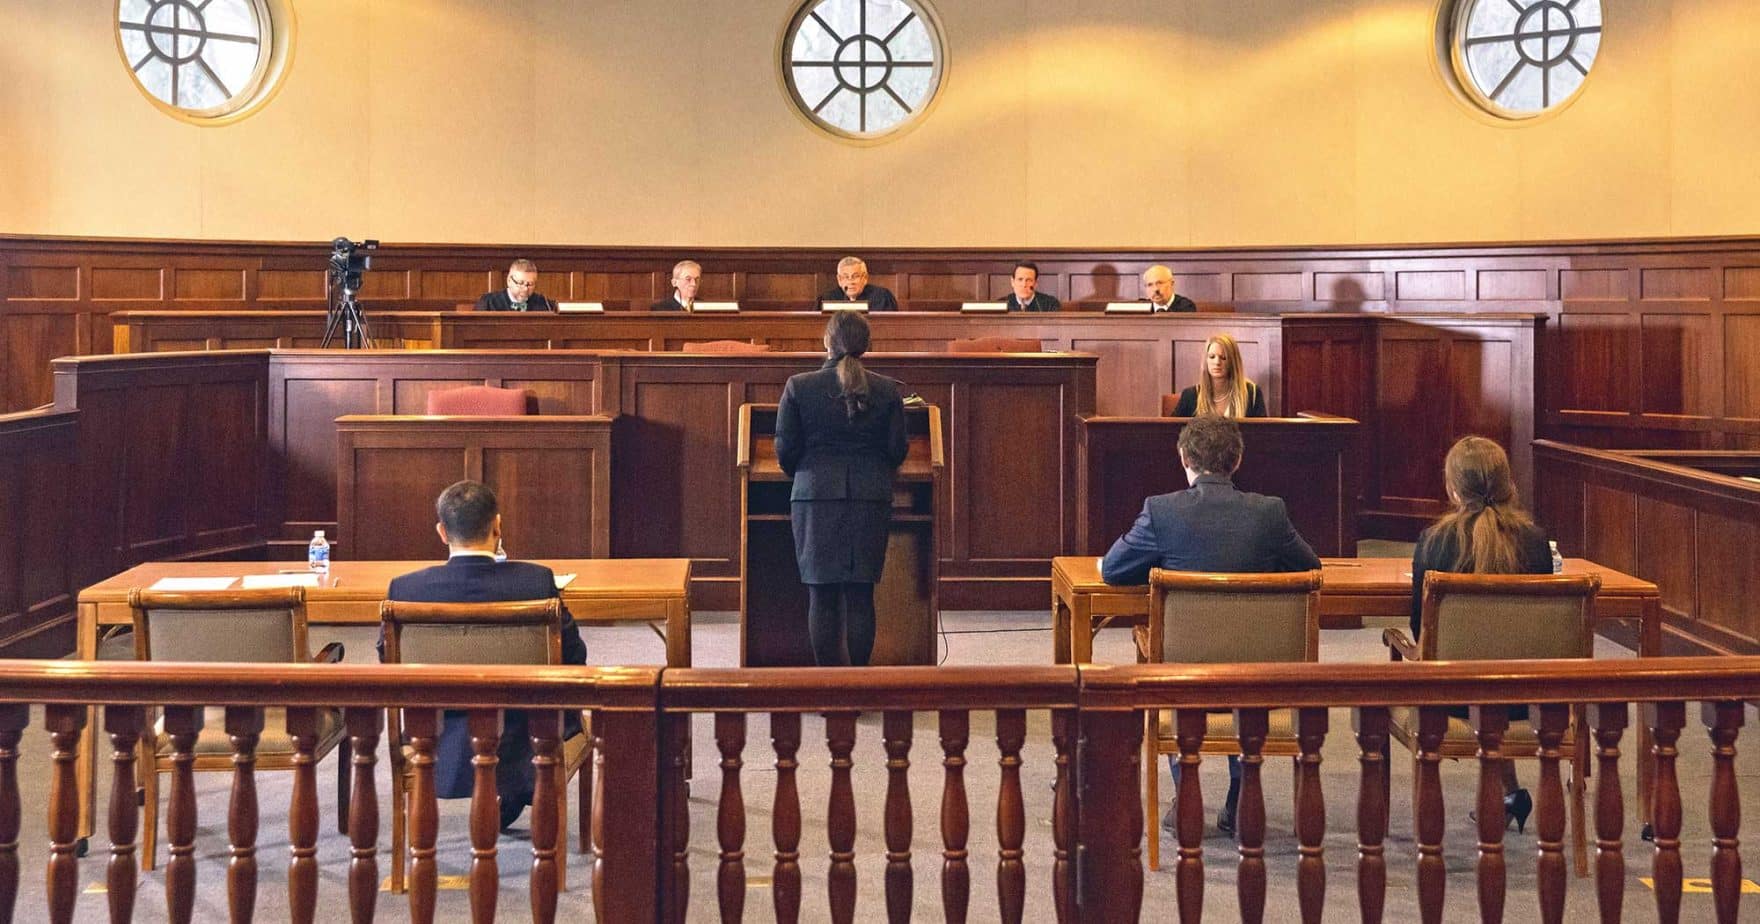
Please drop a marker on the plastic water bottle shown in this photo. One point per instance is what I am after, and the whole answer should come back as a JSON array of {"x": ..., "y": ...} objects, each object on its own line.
[
  {"x": 318, "y": 553},
  {"x": 1557, "y": 558},
  {"x": 500, "y": 551}
]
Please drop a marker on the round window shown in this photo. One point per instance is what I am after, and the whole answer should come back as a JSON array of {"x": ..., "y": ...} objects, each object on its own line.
[
  {"x": 1520, "y": 58},
  {"x": 200, "y": 59},
  {"x": 862, "y": 68}
]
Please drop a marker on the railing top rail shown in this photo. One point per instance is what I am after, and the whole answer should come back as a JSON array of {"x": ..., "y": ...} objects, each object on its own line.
[{"x": 777, "y": 689}]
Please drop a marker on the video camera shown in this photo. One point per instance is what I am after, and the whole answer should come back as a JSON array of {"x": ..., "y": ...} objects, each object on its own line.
[{"x": 348, "y": 260}]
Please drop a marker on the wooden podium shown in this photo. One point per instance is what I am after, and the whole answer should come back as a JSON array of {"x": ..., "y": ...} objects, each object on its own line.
[{"x": 772, "y": 600}]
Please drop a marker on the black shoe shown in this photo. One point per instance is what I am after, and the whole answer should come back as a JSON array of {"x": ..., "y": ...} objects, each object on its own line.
[
  {"x": 510, "y": 812},
  {"x": 1170, "y": 818},
  {"x": 1225, "y": 818},
  {"x": 1517, "y": 806}
]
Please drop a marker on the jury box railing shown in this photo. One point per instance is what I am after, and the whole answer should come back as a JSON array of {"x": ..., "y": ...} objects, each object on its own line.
[{"x": 641, "y": 836}]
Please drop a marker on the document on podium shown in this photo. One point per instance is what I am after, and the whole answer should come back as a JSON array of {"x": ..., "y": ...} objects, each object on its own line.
[
  {"x": 188, "y": 584},
  {"x": 285, "y": 579}
]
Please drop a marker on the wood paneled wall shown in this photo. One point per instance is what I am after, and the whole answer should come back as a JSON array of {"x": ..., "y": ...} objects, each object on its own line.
[{"x": 37, "y": 585}]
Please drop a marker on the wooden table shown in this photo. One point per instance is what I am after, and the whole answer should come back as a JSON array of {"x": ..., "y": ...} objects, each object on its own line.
[{"x": 604, "y": 590}]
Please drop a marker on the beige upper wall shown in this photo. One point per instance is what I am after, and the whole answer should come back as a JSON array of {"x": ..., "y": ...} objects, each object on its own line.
[{"x": 1129, "y": 123}]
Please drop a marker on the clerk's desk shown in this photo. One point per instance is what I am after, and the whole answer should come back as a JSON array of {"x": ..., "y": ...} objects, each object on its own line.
[{"x": 604, "y": 590}]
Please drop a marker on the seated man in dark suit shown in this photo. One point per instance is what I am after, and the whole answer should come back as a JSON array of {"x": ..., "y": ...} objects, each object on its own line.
[
  {"x": 470, "y": 526},
  {"x": 685, "y": 276},
  {"x": 1210, "y": 526},
  {"x": 1158, "y": 289},
  {"x": 852, "y": 286},
  {"x": 1026, "y": 295},
  {"x": 520, "y": 294}
]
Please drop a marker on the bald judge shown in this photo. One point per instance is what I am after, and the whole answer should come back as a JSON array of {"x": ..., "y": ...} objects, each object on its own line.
[{"x": 1158, "y": 288}]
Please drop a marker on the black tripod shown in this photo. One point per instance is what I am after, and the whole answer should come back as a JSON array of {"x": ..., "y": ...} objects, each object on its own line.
[{"x": 346, "y": 317}]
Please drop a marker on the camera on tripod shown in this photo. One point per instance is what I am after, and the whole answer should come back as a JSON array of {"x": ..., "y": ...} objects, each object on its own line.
[{"x": 348, "y": 260}]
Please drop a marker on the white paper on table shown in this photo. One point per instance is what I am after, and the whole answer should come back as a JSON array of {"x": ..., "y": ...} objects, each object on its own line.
[
  {"x": 178, "y": 584},
  {"x": 258, "y": 581},
  {"x": 563, "y": 580}
]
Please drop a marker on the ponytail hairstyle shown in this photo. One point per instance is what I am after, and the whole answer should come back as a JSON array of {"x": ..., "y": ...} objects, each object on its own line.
[
  {"x": 1239, "y": 399},
  {"x": 1487, "y": 519},
  {"x": 846, "y": 339}
]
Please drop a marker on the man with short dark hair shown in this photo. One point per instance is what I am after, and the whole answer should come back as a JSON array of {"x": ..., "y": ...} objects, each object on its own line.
[
  {"x": 469, "y": 522},
  {"x": 521, "y": 293},
  {"x": 1025, "y": 294},
  {"x": 1210, "y": 526}
]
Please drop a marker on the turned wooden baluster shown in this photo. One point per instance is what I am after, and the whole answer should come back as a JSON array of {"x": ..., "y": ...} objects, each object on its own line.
[
  {"x": 1723, "y": 721},
  {"x": 545, "y": 726},
  {"x": 14, "y": 719},
  {"x": 244, "y": 727},
  {"x": 840, "y": 817},
  {"x": 1251, "y": 726},
  {"x": 302, "y": 816},
  {"x": 1609, "y": 721},
  {"x": 182, "y": 725},
  {"x": 896, "y": 729},
  {"x": 1491, "y": 722},
  {"x": 1311, "y": 728},
  {"x": 124, "y": 724},
  {"x": 1063, "y": 822},
  {"x": 1427, "y": 822},
  {"x": 364, "y": 724},
  {"x": 1189, "y": 728},
  {"x": 730, "y": 819},
  {"x": 1011, "y": 815},
  {"x": 785, "y": 820},
  {"x": 420, "y": 729},
  {"x": 485, "y": 731},
  {"x": 1370, "y": 723},
  {"x": 1554, "y": 720},
  {"x": 675, "y": 816},
  {"x": 956, "y": 880},
  {"x": 1666, "y": 721},
  {"x": 64, "y": 723}
]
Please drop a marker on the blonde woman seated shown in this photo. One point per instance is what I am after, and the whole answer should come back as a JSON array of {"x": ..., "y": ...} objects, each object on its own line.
[{"x": 1223, "y": 390}]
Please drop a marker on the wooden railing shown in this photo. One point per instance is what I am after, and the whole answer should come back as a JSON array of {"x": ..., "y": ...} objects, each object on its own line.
[{"x": 641, "y": 718}]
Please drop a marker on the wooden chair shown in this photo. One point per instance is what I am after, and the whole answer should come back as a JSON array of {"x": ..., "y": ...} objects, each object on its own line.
[
  {"x": 1223, "y": 619},
  {"x": 725, "y": 346},
  {"x": 995, "y": 345},
  {"x": 518, "y": 632},
  {"x": 254, "y": 626},
  {"x": 1491, "y": 617},
  {"x": 480, "y": 401}
]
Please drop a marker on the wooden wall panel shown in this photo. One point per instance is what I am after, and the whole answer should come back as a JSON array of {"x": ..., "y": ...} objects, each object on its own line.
[
  {"x": 1350, "y": 290},
  {"x": 37, "y": 453},
  {"x": 1269, "y": 287},
  {"x": 1677, "y": 284},
  {"x": 1680, "y": 365},
  {"x": 1126, "y": 366},
  {"x": 398, "y": 486},
  {"x": 548, "y": 525},
  {"x": 42, "y": 283},
  {"x": 290, "y": 286},
  {"x": 1741, "y": 394},
  {"x": 1431, "y": 285},
  {"x": 1741, "y": 284},
  {"x": 305, "y": 445},
  {"x": 1729, "y": 578},
  {"x": 1610, "y": 527},
  {"x": 1666, "y": 555},
  {"x": 462, "y": 287},
  {"x": 208, "y": 285},
  {"x": 1408, "y": 367},
  {"x": 1594, "y": 285},
  {"x": 24, "y": 338},
  {"x": 1017, "y": 524},
  {"x": 1598, "y": 373},
  {"x": 1527, "y": 285},
  {"x": 952, "y": 287},
  {"x": 1481, "y": 379},
  {"x": 125, "y": 284}
]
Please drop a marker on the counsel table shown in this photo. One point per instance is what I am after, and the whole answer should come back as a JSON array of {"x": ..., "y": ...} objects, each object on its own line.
[{"x": 604, "y": 590}]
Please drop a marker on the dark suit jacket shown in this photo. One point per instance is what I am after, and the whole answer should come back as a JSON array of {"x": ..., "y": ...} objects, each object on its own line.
[
  {"x": 669, "y": 303},
  {"x": 1437, "y": 552},
  {"x": 1180, "y": 303},
  {"x": 1188, "y": 401},
  {"x": 1040, "y": 302},
  {"x": 879, "y": 298},
  {"x": 481, "y": 579},
  {"x": 498, "y": 301},
  {"x": 831, "y": 456},
  {"x": 1210, "y": 526}
]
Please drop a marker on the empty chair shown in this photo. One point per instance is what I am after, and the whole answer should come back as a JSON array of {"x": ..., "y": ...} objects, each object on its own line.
[
  {"x": 725, "y": 346},
  {"x": 995, "y": 345},
  {"x": 480, "y": 401}
]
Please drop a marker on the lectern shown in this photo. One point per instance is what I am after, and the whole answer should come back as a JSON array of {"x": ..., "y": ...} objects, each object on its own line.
[{"x": 772, "y": 600}]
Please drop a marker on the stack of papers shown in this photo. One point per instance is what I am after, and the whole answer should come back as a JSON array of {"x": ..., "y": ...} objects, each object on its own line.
[
  {"x": 563, "y": 580},
  {"x": 187, "y": 584}
]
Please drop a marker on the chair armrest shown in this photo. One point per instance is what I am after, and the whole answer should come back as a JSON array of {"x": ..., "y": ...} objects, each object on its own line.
[
  {"x": 1400, "y": 648},
  {"x": 1140, "y": 637},
  {"x": 330, "y": 654}
]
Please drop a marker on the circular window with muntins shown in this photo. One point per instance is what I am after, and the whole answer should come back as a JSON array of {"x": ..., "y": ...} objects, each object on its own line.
[
  {"x": 863, "y": 69},
  {"x": 201, "y": 60},
  {"x": 1520, "y": 58}
]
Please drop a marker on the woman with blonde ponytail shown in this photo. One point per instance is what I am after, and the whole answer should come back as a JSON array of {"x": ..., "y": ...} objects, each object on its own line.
[{"x": 840, "y": 435}]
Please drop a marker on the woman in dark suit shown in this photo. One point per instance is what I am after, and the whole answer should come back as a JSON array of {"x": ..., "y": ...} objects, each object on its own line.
[
  {"x": 840, "y": 435},
  {"x": 1222, "y": 388},
  {"x": 1487, "y": 532}
]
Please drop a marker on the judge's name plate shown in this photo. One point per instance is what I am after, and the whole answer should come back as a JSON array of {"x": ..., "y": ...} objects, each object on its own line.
[
  {"x": 701, "y": 307},
  {"x": 581, "y": 307},
  {"x": 984, "y": 307},
  {"x": 1128, "y": 307},
  {"x": 828, "y": 307}
]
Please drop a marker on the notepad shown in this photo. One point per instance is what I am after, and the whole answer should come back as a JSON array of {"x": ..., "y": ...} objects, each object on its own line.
[
  {"x": 182, "y": 584},
  {"x": 260, "y": 581},
  {"x": 563, "y": 580}
]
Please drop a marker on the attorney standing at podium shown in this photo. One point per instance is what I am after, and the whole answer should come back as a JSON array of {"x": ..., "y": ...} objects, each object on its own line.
[{"x": 840, "y": 435}]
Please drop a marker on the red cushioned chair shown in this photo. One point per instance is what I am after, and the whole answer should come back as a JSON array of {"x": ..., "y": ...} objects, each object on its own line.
[
  {"x": 725, "y": 346},
  {"x": 995, "y": 345},
  {"x": 480, "y": 401}
]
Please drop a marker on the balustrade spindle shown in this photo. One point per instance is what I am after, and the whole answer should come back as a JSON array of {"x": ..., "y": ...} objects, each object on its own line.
[
  {"x": 420, "y": 729},
  {"x": 545, "y": 726},
  {"x": 1665, "y": 720},
  {"x": 365, "y": 725},
  {"x": 244, "y": 727},
  {"x": 730, "y": 818},
  {"x": 302, "y": 816},
  {"x": 183, "y": 724},
  {"x": 840, "y": 817},
  {"x": 124, "y": 725},
  {"x": 14, "y": 719},
  {"x": 956, "y": 880},
  {"x": 1609, "y": 721},
  {"x": 485, "y": 730},
  {"x": 785, "y": 820},
  {"x": 1011, "y": 815},
  {"x": 1724, "y": 721},
  {"x": 1371, "y": 723},
  {"x": 1554, "y": 721},
  {"x": 1428, "y": 822},
  {"x": 1311, "y": 727},
  {"x": 1189, "y": 728},
  {"x": 1251, "y": 726},
  {"x": 1491, "y": 722},
  {"x": 1063, "y": 823},
  {"x": 64, "y": 723},
  {"x": 896, "y": 729},
  {"x": 675, "y": 895}
]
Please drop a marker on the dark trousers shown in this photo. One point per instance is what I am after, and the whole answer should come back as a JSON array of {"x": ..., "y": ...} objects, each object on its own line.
[
  {"x": 836, "y": 612},
  {"x": 1234, "y": 778}
]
